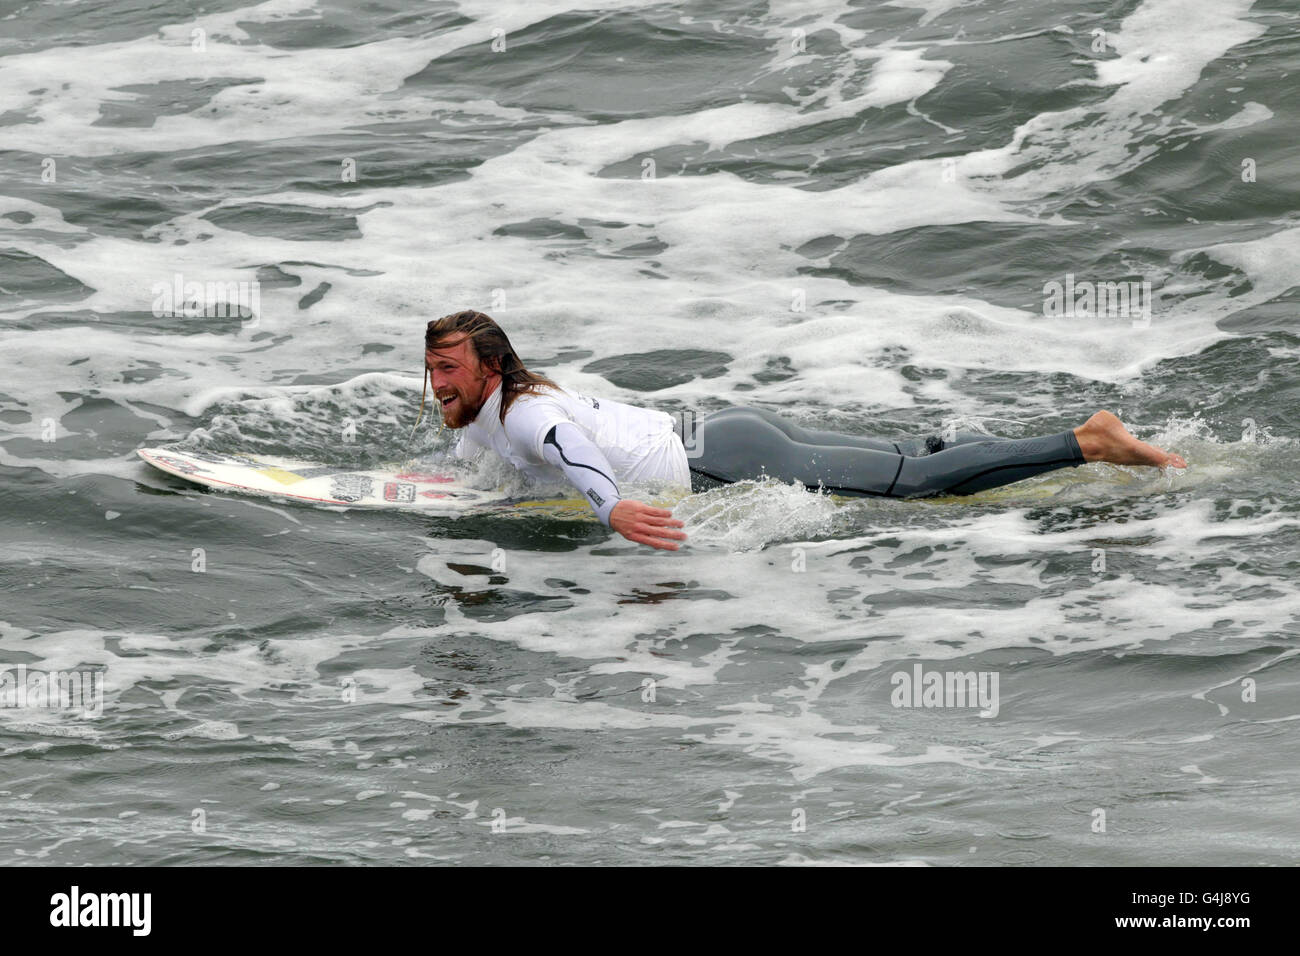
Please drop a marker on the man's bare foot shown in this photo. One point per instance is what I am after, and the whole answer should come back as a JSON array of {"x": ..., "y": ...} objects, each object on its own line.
[{"x": 1104, "y": 438}]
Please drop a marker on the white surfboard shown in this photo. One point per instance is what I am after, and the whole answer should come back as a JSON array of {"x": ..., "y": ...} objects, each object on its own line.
[{"x": 408, "y": 489}]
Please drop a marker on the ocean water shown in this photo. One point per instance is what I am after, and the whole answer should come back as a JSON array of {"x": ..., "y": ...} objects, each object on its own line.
[{"x": 851, "y": 214}]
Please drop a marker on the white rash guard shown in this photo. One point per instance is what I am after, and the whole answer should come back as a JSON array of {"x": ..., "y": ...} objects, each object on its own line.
[{"x": 594, "y": 443}]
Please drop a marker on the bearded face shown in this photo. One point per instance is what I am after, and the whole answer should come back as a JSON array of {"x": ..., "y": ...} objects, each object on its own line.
[{"x": 460, "y": 381}]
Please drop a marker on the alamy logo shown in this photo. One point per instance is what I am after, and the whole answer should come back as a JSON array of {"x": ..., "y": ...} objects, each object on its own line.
[
  {"x": 21, "y": 688},
  {"x": 690, "y": 434},
  {"x": 102, "y": 909},
  {"x": 923, "y": 688},
  {"x": 240, "y": 298},
  {"x": 1086, "y": 299}
]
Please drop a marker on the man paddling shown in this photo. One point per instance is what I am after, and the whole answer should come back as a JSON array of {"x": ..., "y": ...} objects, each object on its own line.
[{"x": 547, "y": 432}]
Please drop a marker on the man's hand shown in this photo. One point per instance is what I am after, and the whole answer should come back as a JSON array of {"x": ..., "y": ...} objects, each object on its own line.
[{"x": 639, "y": 522}]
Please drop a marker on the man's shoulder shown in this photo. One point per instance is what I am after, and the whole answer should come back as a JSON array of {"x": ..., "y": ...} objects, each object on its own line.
[
  {"x": 531, "y": 413},
  {"x": 540, "y": 397}
]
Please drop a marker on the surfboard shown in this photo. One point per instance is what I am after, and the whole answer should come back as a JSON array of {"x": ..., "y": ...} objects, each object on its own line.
[{"x": 406, "y": 488}]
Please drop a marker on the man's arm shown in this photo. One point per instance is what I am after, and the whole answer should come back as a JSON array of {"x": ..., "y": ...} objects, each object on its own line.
[
  {"x": 584, "y": 464},
  {"x": 545, "y": 429}
]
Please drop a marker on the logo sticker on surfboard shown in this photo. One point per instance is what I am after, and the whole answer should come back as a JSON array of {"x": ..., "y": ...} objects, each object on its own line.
[
  {"x": 350, "y": 487},
  {"x": 178, "y": 465},
  {"x": 399, "y": 491}
]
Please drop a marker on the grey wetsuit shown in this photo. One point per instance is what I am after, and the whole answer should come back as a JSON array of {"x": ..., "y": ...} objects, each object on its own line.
[{"x": 739, "y": 443}]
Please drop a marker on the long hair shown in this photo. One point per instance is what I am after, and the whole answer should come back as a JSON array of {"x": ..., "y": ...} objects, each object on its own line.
[{"x": 492, "y": 348}]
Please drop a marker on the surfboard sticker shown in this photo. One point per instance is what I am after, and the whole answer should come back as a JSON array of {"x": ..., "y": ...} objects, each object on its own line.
[
  {"x": 176, "y": 464},
  {"x": 402, "y": 491},
  {"x": 351, "y": 487}
]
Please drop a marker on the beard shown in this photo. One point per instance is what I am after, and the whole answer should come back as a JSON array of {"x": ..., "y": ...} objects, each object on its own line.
[{"x": 462, "y": 410}]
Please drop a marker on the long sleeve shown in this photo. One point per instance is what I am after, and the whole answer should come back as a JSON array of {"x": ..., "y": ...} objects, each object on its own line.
[{"x": 584, "y": 464}]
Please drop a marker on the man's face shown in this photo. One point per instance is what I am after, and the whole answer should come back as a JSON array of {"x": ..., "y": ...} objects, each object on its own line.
[{"x": 460, "y": 382}]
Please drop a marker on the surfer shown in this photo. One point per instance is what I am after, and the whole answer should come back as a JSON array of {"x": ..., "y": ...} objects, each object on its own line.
[{"x": 546, "y": 431}]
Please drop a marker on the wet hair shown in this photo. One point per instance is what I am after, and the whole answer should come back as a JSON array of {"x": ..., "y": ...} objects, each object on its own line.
[{"x": 492, "y": 348}]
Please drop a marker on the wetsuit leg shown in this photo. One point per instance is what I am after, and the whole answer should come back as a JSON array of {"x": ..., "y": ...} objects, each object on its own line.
[
  {"x": 739, "y": 443},
  {"x": 703, "y": 477},
  {"x": 933, "y": 443},
  {"x": 911, "y": 446},
  {"x": 810, "y": 436}
]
